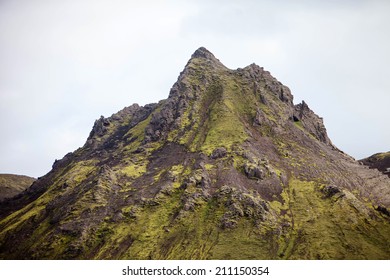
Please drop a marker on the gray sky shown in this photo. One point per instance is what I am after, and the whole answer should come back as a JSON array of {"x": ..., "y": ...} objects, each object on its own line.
[{"x": 65, "y": 63}]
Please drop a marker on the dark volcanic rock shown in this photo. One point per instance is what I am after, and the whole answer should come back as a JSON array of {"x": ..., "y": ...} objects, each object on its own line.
[
  {"x": 261, "y": 118},
  {"x": 219, "y": 152},
  {"x": 253, "y": 171},
  {"x": 311, "y": 122},
  {"x": 383, "y": 210},
  {"x": 227, "y": 167},
  {"x": 330, "y": 191}
]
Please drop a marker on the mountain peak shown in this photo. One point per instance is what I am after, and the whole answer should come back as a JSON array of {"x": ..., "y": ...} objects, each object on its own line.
[
  {"x": 205, "y": 54},
  {"x": 202, "y": 52},
  {"x": 226, "y": 153}
]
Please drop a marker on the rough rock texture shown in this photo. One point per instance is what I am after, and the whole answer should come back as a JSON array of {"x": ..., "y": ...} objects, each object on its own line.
[
  {"x": 219, "y": 152},
  {"x": 311, "y": 122},
  {"x": 227, "y": 167}
]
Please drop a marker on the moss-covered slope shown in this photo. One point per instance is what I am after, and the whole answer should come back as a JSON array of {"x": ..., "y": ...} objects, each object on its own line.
[{"x": 226, "y": 168}]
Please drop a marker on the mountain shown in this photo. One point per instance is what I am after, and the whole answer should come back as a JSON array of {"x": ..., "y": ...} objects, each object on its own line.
[
  {"x": 11, "y": 185},
  {"x": 227, "y": 167},
  {"x": 380, "y": 161}
]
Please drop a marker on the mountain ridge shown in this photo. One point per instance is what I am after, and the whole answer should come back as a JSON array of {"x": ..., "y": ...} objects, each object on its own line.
[
  {"x": 227, "y": 159},
  {"x": 380, "y": 161}
]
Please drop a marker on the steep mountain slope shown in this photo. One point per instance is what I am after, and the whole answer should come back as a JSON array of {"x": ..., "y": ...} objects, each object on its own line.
[
  {"x": 380, "y": 161},
  {"x": 227, "y": 167},
  {"x": 11, "y": 185}
]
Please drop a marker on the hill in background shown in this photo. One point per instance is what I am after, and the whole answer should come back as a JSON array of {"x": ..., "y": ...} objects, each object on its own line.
[
  {"x": 380, "y": 161},
  {"x": 11, "y": 185}
]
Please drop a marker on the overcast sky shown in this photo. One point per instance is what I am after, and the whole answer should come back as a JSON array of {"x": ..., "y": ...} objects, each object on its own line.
[{"x": 65, "y": 63}]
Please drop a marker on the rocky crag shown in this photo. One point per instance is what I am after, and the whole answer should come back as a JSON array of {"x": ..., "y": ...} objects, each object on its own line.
[{"x": 227, "y": 167}]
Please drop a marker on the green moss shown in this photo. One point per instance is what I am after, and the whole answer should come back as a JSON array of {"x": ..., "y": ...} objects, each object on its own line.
[
  {"x": 19, "y": 217},
  {"x": 299, "y": 125},
  {"x": 217, "y": 117},
  {"x": 225, "y": 128},
  {"x": 72, "y": 175},
  {"x": 323, "y": 228},
  {"x": 134, "y": 170},
  {"x": 163, "y": 230},
  {"x": 209, "y": 166},
  {"x": 153, "y": 211},
  {"x": 145, "y": 230},
  {"x": 382, "y": 156},
  {"x": 137, "y": 134},
  {"x": 177, "y": 170},
  {"x": 81, "y": 170}
]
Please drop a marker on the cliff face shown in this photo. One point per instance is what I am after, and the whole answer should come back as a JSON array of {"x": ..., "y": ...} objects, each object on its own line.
[{"x": 227, "y": 167}]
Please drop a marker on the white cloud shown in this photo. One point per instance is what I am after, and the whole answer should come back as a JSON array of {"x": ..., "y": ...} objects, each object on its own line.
[{"x": 64, "y": 63}]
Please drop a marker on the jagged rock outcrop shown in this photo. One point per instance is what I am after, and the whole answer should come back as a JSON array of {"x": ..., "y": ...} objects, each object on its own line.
[
  {"x": 311, "y": 122},
  {"x": 227, "y": 167}
]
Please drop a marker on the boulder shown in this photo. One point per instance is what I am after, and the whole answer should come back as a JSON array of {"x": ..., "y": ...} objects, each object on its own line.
[
  {"x": 330, "y": 191},
  {"x": 219, "y": 153},
  {"x": 253, "y": 171}
]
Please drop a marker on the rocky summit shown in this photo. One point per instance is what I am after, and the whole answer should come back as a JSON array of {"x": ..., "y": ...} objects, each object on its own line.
[{"x": 227, "y": 167}]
